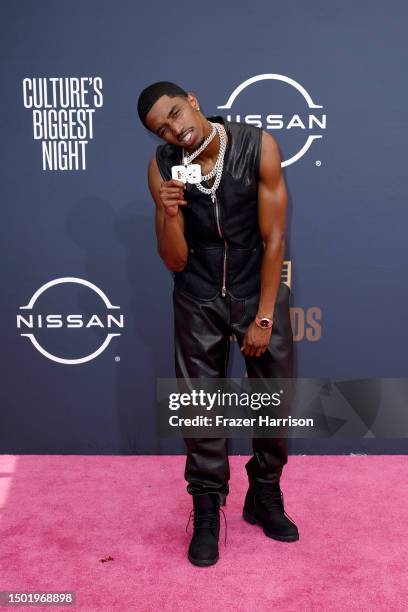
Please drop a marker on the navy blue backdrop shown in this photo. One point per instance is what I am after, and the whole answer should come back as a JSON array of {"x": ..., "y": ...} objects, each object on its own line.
[{"x": 77, "y": 232}]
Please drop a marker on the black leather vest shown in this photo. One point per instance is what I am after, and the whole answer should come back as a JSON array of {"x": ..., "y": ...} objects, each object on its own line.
[{"x": 224, "y": 241}]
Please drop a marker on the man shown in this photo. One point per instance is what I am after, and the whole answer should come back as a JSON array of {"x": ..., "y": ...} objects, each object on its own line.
[{"x": 224, "y": 241}]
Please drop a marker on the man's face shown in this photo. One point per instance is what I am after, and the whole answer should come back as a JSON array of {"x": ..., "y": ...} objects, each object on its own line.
[{"x": 176, "y": 121}]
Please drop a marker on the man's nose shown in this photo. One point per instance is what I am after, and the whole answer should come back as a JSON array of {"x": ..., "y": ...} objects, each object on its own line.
[{"x": 177, "y": 130}]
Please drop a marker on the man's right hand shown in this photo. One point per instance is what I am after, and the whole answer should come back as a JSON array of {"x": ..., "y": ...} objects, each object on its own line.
[{"x": 171, "y": 195}]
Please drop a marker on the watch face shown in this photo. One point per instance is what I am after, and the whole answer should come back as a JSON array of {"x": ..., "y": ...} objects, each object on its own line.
[{"x": 264, "y": 322}]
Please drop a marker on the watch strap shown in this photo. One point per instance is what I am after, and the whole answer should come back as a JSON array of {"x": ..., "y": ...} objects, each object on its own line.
[{"x": 264, "y": 322}]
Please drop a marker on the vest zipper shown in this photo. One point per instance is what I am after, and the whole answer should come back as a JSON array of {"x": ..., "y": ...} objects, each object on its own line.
[{"x": 224, "y": 267}]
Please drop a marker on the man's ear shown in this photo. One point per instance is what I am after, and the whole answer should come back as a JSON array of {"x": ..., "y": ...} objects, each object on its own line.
[{"x": 192, "y": 98}]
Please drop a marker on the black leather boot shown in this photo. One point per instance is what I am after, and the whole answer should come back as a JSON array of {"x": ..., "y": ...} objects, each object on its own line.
[
  {"x": 203, "y": 549},
  {"x": 264, "y": 505}
]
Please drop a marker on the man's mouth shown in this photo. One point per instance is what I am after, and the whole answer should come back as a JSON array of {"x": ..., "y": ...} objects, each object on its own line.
[{"x": 187, "y": 136}]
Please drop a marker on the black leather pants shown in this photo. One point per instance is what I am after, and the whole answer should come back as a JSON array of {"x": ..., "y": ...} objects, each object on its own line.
[{"x": 202, "y": 342}]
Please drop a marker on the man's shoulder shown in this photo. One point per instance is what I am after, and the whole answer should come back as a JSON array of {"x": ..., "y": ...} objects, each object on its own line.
[
  {"x": 245, "y": 129},
  {"x": 167, "y": 155},
  {"x": 165, "y": 146},
  {"x": 248, "y": 142},
  {"x": 238, "y": 128},
  {"x": 164, "y": 149},
  {"x": 247, "y": 138}
]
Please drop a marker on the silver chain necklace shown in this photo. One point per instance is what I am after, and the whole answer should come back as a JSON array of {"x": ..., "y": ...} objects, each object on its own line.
[
  {"x": 219, "y": 164},
  {"x": 189, "y": 158}
]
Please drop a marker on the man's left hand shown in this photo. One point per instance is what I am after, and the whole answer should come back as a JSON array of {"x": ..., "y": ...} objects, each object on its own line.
[{"x": 256, "y": 340}]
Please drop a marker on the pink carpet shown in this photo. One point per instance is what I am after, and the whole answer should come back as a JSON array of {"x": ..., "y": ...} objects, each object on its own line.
[{"x": 61, "y": 515}]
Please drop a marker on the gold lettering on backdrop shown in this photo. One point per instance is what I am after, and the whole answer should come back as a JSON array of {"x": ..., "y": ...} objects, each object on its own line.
[{"x": 306, "y": 322}]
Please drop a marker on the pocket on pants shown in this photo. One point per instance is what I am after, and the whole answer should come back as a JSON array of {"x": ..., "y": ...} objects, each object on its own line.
[{"x": 237, "y": 310}]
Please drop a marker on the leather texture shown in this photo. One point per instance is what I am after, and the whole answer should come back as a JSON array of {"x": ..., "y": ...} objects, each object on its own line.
[
  {"x": 202, "y": 346},
  {"x": 264, "y": 505},
  {"x": 203, "y": 549},
  {"x": 237, "y": 201}
]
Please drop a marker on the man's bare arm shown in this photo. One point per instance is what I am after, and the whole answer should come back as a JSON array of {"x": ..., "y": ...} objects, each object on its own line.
[
  {"x": 272, "y": 205},
  {"x": 171, "y": 243},
  {"x": 272, "y": 213}
]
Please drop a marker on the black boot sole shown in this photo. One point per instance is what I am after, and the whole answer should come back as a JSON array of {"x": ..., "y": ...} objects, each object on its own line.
[
  {"x": 253, "y": 521},
  {"x": 203, "y": 562}
]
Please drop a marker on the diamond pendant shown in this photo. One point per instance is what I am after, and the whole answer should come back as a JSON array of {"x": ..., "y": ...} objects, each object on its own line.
[{"x": 188, "y": 174}]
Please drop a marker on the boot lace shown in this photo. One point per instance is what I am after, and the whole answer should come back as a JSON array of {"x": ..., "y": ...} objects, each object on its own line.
[
  {"x": 273, "y": 498},
  {"x": 207, "y": 520}
]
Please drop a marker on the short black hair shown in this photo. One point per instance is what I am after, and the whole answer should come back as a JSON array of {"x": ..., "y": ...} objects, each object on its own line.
[{"x": 153, "y": 92}]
